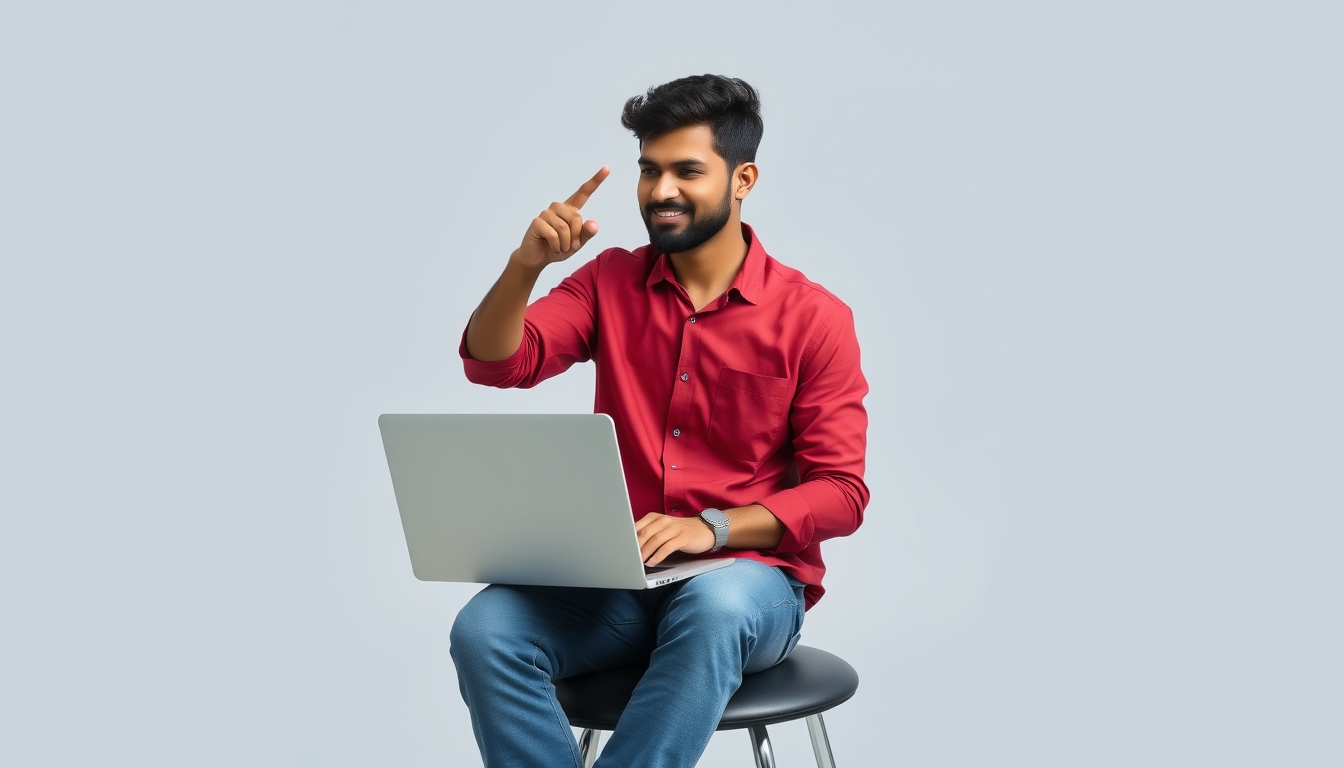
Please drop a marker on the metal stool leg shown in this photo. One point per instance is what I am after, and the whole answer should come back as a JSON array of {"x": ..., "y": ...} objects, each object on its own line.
[
  {"x": 821, "y": 745},
  {"x": 588, "y": 742},
  {"x": 760, "y": 747}
]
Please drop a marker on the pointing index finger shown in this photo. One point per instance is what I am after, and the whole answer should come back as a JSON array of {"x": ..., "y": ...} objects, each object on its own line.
[{"x": 589, "y": 187}]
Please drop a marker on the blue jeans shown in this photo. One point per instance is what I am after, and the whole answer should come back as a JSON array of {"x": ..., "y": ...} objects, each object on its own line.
[{"x": 699, "y": 636}]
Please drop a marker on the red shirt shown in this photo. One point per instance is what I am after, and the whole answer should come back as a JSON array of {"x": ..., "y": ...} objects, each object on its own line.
[{"x": 755, "y": 399}]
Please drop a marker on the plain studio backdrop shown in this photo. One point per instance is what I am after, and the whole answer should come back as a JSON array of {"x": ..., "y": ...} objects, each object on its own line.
[{"x": 1094, "y": 254}]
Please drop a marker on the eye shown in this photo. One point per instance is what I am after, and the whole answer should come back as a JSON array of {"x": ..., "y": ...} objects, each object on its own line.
[
  {"x": 689, "y": 173},
  {"x": 648, "y": 172}
]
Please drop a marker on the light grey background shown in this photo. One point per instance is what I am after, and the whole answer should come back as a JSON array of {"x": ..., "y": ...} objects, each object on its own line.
[{"x": 1094, "y": 252}]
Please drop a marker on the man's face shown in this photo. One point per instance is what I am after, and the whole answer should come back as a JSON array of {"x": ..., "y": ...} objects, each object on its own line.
[{"x": 685, "y": 193}]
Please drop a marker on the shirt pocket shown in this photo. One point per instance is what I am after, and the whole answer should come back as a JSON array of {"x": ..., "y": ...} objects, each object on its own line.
[{"x": 748, "y": 414}]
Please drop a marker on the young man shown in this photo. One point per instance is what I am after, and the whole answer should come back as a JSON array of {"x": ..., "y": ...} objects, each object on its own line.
[{"x": 735, "y": 387}]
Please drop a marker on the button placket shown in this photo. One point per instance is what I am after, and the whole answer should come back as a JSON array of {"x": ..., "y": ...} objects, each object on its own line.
[{"x": 674, "y": 482}]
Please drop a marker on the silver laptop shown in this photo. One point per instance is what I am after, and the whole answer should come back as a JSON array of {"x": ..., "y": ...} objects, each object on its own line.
[{"x": 519, "y": 499}]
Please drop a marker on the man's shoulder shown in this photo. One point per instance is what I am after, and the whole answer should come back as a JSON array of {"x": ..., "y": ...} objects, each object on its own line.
[
  {"x": 797, "y": 291},
  {"x": 613, "y": 269},
  {"x": 622, "y": 261}
]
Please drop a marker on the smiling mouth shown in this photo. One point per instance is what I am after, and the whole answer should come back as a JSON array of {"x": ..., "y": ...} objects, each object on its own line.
[{"x": 669, "y": 214}]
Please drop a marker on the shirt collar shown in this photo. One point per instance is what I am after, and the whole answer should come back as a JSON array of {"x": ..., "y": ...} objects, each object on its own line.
[{"x": 750, "y": 277}]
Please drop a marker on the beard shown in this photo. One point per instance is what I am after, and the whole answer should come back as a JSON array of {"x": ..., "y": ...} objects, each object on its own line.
[{"x": 694, "y": 234}]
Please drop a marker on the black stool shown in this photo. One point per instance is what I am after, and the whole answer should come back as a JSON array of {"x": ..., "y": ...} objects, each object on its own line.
[{"x": 806, "y": 684}]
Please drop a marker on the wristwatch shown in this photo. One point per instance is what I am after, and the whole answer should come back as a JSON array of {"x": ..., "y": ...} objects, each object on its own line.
[{"x": 718, "y": 522}]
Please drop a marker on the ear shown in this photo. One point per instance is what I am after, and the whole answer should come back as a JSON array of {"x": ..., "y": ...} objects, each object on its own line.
[{"x": 744, "y": 178}]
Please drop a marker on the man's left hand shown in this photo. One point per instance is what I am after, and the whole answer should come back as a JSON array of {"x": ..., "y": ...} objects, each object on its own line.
[{"x": 660, "y": 535}]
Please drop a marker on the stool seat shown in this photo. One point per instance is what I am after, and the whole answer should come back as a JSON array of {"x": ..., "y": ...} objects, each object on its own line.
[{"x": 808, "y": 682}]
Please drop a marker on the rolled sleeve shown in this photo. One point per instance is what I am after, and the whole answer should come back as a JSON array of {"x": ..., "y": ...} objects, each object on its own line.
[
  {"x": 497, "y": 373},
  {"x": 830, "y": 426}
]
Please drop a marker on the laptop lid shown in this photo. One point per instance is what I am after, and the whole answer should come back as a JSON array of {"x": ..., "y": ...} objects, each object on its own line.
[{"x": 513, "y": 499}]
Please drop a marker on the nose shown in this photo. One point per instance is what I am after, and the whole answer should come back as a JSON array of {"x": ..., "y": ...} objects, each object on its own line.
[{"x": 665, "y": 189}]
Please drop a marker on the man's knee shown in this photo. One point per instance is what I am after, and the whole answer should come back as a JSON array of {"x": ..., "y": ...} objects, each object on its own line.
[{"x": 484, "y": 625}]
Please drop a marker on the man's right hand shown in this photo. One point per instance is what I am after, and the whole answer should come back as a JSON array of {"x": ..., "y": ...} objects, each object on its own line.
[{"x": 560, "y": 231}]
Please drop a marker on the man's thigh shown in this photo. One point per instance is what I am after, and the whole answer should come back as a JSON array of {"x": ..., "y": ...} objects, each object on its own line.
[
  {"x": 748, "y": 602},
  {"x": 570, "y": 630}
]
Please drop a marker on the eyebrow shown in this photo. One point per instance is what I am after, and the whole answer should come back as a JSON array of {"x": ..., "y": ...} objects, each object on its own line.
[{"x": 689, "y": 162}]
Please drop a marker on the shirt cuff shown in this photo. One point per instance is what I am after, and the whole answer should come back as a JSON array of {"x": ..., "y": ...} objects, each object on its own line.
[
  {"x": 791, "y": 509},
  {"x": 489, "y": 373}
]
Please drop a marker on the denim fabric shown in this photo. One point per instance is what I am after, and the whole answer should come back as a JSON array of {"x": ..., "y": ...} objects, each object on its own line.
[{"x": 699, "y": 636}]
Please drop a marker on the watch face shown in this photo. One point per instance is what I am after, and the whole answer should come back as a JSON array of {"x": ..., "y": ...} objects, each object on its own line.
[{"x": 717, "y": 520}]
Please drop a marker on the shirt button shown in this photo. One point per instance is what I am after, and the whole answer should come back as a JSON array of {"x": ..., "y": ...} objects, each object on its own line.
[
  {"x": 692, "y": 318},
  {"x": 674, "y": 466},
  {"x": 685, "y": 376},
  {"x": 676, "y": 433}
]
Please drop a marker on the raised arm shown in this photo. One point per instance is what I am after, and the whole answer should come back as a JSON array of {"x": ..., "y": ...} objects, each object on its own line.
[{"x": 495, "y": 330}]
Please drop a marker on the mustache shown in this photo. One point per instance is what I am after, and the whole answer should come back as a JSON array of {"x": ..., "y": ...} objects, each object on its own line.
[{"x": 668, "y": 206}]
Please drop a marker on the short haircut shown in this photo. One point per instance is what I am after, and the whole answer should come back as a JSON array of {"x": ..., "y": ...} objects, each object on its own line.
[{"x": 728, "y": 105}]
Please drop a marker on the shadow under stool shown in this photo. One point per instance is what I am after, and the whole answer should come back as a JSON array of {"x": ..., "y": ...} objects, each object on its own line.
[{"x": 807, "y": 683}]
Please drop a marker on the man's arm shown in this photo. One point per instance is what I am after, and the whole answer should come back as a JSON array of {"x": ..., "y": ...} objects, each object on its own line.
[
  {"x": 496, "y": 328},
  {"x": 830, "y": 437}
]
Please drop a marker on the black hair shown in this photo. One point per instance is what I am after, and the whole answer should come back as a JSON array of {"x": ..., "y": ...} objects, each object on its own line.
[{"x": 728, "y": 105}]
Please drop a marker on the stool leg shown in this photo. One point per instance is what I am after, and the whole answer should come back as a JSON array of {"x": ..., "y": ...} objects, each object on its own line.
[
  {"x": 821, "y": 745},
  {"x": 588, "y": 741},
  {"x": 760, "y": 747}
]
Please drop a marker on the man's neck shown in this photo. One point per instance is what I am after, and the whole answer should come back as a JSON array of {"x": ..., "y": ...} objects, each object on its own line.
[{"x": 707, "y": 271}]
